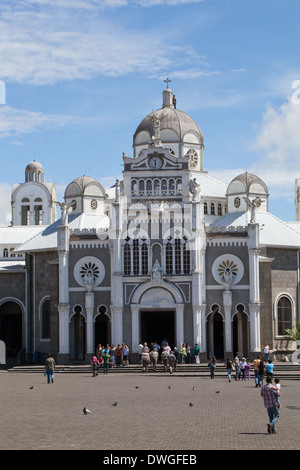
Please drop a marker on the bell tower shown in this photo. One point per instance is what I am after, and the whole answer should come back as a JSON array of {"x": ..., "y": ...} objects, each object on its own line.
[{"x": 33, "y": 201}]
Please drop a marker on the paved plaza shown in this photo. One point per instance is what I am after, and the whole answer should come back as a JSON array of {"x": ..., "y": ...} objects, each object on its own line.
[{"x": 153, "y": 412}]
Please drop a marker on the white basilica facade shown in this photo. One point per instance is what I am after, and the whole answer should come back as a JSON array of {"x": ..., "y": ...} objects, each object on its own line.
[{"x": 168, "y": 252}]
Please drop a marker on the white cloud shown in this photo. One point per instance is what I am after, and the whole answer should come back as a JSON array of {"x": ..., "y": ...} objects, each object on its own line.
[
  {"x": 19, "y": 121},
  {"x": 41, "y": 46},
  {"x": 276, "y": 157},
  {"x": 278, "y": 140}
]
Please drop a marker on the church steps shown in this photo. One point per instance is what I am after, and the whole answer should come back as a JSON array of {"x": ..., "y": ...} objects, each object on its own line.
[{"x": 283, "y": 370}]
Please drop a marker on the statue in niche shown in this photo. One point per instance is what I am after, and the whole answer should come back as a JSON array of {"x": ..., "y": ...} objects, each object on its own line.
[
  {"x": 156, "y": 271},
  {"x": 253, "y": 205},
  {"x": 89, "y": 281},
  {"x": 194, "y": 189},
  {"x": 227, "y": 280}
]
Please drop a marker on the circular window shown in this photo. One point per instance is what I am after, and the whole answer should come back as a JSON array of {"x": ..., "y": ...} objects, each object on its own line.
[
  {"x": 90, "y": 268},
  {"x": 228, "y": 268},
  {"x": 94, "y": 204},
  {"x": 237, "y": 202}
]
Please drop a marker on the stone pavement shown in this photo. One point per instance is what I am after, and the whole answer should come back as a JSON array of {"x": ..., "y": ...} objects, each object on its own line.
[{"x": 154, "y": 416}]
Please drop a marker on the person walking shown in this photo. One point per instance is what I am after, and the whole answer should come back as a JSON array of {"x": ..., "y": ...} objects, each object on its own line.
[
  {"x": 118, "y": 355},
  {"x": 188, "y": 353},
  {"x": 228, "y": 364},
  {"x": 261, "y": 371},
  {"x": 267, "y": 352},
  {"x": 95, "y": 365},
  {"x": 140, "y": 350},
  {"x": 183, "y": 353},
  {"x": 164, "y": 358},
  {"x": 270, "y": 368},
  {"x": 145, "y": 359},
  {"x": 154, "y": 358},
  {"x": 243, "y": 364},
  {"x": 50, "y": 368},
  {"x": 270, "y": 396},
  {"x": 237, "y": 366},
  {"x": 176, "y": 354},
  {"x": 106, "y": 358},
  {"x": 197, "y": 353},
  {"x": 256, "y": 363},
  {"x": 212, "y": 364},
  {"x": 171, "y": 361}
]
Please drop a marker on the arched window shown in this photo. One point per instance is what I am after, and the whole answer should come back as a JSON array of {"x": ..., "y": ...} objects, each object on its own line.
[
  {"x": 169, "y": 258},
  {"x": 219, "y": 209},
  {"x": 127, "y": 259},
  {"x": 212, "y": 209},
  {"x": 45, "y": 319},
  {"x": 177, "y": 256},
  {"x": 205, "y": 208},
  {"x": 5, "y": 253},
  {"x": 186, "y": 259},
  {"x": 144, "y": 258},
  {"x": 136, "y": 257},
  {"x": 284, "y": 315}
]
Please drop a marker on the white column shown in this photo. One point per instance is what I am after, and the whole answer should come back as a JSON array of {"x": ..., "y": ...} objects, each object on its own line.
[
  {"x": 63, "y": 312},
  {"x": 116, "y": 325},
  {"x": 197, "y": 325},
  {"x": 179, "y": 325},
  {"x": 135, "y": 322},
  {"x": 227, "y": 303},
  {"x": 89, "y": 307},
  {"x": 203, "y": 344},
  {"x": 254, "y": 304},
  {"x": 63, "y": 288}
]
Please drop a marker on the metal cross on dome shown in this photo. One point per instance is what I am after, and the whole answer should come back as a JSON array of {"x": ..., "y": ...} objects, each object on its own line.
[{"x": 167, "y": 81}]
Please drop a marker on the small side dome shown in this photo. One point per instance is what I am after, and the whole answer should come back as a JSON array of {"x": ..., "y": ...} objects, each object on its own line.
[
  {"x": 34, "y": 172},
  {"x": 84, "y": 186},
  {"x": 86, "y": 194},
  {"x": 249, "y": 186}
]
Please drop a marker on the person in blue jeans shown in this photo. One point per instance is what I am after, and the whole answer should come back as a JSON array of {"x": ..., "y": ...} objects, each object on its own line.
[
  {"x": 270, "y": 395},
  {"x": 49, "y": 368},
  {"x": 228, "y": 365}
]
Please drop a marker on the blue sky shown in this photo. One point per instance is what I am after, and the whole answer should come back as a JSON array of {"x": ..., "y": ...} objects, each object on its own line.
[{"x": 80, "y": 75}]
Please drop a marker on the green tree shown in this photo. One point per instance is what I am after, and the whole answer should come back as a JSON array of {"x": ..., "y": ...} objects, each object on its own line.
[{"x": 294, "y": 334}]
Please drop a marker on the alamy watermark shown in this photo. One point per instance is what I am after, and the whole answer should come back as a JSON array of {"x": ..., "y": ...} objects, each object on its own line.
[{"x": 295, "y": 97}]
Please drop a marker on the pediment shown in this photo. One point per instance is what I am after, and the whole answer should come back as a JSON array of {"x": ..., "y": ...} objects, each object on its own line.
[{"x": 142, "y": 162}]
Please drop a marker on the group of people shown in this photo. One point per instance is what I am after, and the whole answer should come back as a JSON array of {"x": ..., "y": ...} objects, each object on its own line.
[
  {"x": 154, "y": 353},
  {"x": 242, "y": 369},
  {"x": 110, "y": 356},
  {"x": 186, "y": 354}
]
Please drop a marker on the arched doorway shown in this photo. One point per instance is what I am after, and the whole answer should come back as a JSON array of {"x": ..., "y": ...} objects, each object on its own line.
[
  {"x": 77, "y": 335},
  {"x": 157, "y": 325},
  {"x": 11, "y": 327},
  {"x": 240, "y": 332},
  {"x": 215, "y": 333},
  {"x": 102, "y": 327}
]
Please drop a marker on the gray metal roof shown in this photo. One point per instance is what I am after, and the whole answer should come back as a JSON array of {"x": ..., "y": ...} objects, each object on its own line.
[{"x": 273, "y": 231}]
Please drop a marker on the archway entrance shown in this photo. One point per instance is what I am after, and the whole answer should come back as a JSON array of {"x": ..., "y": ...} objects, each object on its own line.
[
  {"x": 11, "y": 327},
  {"x": 77, "y": 335},
  {"x": 157, "y": 325},
  {"x": 240, "y": 332},
  {"x": 102, "y": 328},
  {"x": 215, "y": 333}
]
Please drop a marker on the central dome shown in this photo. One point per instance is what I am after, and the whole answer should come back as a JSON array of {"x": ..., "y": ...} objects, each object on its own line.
[
  {"x": 173, "y": 128},
  {"x": 170, "y": 119}
]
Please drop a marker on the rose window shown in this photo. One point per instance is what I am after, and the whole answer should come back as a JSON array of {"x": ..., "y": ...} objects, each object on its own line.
[{"x": 90, "y": 267}]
